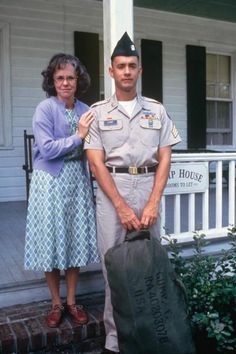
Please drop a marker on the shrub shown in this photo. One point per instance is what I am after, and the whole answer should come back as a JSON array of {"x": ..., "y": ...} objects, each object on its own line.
[{"x": 210, "y": 283}]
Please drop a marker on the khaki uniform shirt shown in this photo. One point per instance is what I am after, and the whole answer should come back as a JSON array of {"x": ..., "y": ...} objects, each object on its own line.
[{"x": 131, "y": 141}]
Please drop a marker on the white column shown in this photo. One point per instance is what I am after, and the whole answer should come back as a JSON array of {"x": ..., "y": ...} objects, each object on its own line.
[{"x": 117, "y": 19}]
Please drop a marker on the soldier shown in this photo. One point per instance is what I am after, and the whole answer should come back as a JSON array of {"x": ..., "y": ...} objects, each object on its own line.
[{"x": 129, "y": 152}]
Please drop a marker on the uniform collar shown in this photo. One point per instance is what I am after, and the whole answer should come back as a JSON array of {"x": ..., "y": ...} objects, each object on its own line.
[
  {"x": 114, "y": 105},
  {"x": 143, "y": 103}
]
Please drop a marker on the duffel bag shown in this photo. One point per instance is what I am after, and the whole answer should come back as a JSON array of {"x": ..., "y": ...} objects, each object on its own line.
[{"x": 149, "y": 301}]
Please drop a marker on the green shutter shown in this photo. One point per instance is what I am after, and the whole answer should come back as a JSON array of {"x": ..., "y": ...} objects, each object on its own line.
[
  {"x": 87, "y": 50},
  {"x": 151, "y": 52},
  {"x": 196, "y": 96}
]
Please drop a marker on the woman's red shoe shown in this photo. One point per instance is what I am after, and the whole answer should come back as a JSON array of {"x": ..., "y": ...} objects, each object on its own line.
[
  {"x": 54, "y": 316},
  {"x": 78, "y": 314}
]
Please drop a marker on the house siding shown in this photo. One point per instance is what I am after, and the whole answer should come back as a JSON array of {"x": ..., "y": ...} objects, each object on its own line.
[{"x": 39, "y": 29}]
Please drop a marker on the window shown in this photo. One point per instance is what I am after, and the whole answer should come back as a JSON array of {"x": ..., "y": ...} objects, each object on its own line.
[
  {"x": 219, "y": 100},
  {"x": 5, "y": 91}
]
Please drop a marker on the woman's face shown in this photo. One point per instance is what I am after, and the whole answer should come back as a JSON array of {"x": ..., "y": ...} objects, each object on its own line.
[{"x": 65, "y": 82}]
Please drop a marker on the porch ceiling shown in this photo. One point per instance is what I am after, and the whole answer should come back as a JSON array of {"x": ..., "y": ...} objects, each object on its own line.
[{"x": 224, "y": 10}]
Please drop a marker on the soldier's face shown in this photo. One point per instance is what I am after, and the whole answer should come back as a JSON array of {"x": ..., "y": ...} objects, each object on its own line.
[{"x": 125, "y": 71}]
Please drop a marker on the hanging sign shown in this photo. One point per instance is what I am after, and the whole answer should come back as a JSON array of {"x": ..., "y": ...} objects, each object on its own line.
[{"x": 188, "y": 177}]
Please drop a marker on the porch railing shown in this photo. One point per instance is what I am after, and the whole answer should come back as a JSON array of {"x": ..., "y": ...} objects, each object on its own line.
[{"x": 211, "y": 211}]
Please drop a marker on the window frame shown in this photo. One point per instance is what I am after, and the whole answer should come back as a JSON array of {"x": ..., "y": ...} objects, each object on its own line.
[
  {"x": 231, "y": 99},
  {"x": 5, "y": 88}
]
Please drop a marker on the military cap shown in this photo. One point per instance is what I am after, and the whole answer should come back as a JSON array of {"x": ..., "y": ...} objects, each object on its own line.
[{"x": 125, "y": 47}]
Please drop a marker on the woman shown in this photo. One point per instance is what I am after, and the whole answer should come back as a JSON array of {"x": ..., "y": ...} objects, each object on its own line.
[{"x": 61, "y": 231}]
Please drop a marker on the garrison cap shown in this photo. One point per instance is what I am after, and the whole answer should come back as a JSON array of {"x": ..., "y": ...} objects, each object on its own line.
[{"x": 125, "y": 47}]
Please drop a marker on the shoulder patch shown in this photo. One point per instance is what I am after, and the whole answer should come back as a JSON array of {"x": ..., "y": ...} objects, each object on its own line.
[
  {"x": 147, "y": 99},
  {"x": 174, "y": 131},
  {"x": 99, "y": 103}
]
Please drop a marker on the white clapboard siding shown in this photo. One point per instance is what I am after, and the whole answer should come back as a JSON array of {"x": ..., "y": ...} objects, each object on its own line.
[{"x": 39, "y": 29}]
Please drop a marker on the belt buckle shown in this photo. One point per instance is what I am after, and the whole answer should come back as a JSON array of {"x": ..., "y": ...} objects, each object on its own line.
[{"x": 133, "y": 170}]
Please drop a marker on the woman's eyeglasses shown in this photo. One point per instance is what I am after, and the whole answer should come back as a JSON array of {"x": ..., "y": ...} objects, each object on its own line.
[{"x": 61, "y": 79}]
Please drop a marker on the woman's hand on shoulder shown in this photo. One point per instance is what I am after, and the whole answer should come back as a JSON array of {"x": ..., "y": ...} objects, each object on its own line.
[{"x": 84, "y": 123}]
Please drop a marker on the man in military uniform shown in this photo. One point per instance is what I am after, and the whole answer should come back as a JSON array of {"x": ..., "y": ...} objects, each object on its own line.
[{"x": 129, "y": 152}]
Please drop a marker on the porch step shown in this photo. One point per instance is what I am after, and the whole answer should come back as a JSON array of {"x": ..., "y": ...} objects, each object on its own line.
[{"x": 23, "y": 329}]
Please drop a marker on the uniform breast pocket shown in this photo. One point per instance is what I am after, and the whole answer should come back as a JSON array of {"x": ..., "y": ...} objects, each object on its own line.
[
  {"x": 112, "y": 133},
  {"x": 150, "y": 131}
]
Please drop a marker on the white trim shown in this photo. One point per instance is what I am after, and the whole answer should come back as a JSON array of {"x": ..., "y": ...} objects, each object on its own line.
[
  {"x": 218, "y": 47},
  {"x": 5, "y": 89}
]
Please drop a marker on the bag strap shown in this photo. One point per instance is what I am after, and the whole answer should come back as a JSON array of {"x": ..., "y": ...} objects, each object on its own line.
[{"x": 137, "y": 235}]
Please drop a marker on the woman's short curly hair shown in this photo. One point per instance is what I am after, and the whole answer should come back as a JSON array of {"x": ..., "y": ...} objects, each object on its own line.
[{"x": 59, "y": 61}]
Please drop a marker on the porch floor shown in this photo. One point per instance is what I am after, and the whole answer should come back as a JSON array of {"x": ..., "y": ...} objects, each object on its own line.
[
  {"x": 24, "y": 297},
  {"x": 12, "y": 237}
]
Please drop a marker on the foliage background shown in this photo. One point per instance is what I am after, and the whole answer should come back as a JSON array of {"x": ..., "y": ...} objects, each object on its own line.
[{"x": 210, "y": 282}]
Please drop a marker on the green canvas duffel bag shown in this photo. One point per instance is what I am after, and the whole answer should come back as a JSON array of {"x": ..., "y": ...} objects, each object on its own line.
[{"x": 149, "y": 302}]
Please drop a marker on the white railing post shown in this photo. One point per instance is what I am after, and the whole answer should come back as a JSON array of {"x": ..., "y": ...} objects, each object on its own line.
[
  {"x": 219, "y": 194},
  {"x": 205, "y": 210},
  {"x": 177, "y": 214},
  {"x": 231, "y": 193},
  {"x": 191, "y": 212}
]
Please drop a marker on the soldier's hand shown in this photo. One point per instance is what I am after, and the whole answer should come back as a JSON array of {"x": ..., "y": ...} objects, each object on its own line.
[
  {"x": 128, "y": 218},
  {"x": 84, "y": 124},
  {"x": 150, "y": 214}
]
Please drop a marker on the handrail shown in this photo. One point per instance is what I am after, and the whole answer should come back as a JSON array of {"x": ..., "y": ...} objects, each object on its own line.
[{"x": 208, "y": 156}]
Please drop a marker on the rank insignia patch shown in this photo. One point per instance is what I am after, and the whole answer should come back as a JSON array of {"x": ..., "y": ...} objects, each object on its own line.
[
  {"x": 87, "y": 138},
  {"x": 174, "y": 131}
]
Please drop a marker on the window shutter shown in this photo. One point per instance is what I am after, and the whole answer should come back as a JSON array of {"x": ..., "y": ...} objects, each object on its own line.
[
  {"x": 151, "y": 52},
  {"x": 87, "y": 50},
  {"x": 196, "y": 96}
]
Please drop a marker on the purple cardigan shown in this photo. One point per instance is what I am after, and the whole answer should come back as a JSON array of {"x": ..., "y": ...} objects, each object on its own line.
[{"x": 52, "y": 134}]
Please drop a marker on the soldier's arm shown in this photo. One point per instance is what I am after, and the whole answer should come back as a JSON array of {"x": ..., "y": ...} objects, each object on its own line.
[
  {"x": 151, "y": 209},
  {"x": 103, "y": 177}
]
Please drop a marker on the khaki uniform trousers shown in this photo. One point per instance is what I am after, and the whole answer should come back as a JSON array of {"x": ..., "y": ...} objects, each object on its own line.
[{"x": 135, "y": 189}]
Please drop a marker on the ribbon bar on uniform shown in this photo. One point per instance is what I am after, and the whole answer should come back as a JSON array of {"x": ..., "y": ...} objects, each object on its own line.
[{"x": 132, "y": 170}]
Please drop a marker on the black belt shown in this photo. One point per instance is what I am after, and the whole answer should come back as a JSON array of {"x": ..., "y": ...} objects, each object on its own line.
[{"x": 132, "y": 170}]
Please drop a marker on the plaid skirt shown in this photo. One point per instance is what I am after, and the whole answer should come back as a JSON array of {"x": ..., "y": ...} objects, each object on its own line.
[{"x": 60, "y": 227}]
